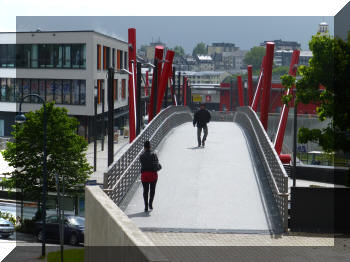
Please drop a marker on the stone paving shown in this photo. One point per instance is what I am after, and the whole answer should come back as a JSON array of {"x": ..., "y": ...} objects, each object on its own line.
[{"x": 193, "y": 247}]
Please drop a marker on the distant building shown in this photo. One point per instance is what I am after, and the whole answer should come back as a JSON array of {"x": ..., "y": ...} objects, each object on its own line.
[
  {"x": 67, "y": 67},
  {"x": 150, "y": 49},
  {"x": 283, "y": 45},
  {"x": 226, "y": 56},
  {"x": 304, "y": 57},
  {"x": 323, "y": 28},
  {"x": 219, "y": 48},
  {"x": 204, "y": 63},
  {"x": 284, "y": 57}
]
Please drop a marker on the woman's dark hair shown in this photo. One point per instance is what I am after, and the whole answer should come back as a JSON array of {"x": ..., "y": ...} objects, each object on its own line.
[{"x": 147, "y": 144}]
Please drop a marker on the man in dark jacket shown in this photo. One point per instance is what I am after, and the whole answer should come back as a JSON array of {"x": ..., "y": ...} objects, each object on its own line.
[
  {"x": 149, "y": 167},
  {"x": 201, "y": 118}
]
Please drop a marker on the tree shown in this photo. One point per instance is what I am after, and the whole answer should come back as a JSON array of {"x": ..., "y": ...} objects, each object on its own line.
[
  {"x": 325, "y": 82},
  {"x": 200, "y": 49},
  {"x": 280, "y": 70},
  {"x": 254, "y": 57},
  {"x": 65, "y": 152},
  {"x": 179, "y": 51}
]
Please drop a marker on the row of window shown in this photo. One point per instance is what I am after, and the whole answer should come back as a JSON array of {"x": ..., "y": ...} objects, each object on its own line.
[
  {"x": 64, "y": 56},
  {"x": 62, "y": 91},
  {"x": 119, "y": 58}
]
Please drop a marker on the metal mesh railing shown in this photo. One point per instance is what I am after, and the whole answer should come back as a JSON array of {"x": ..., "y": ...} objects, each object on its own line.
[
  {"x": 123, "y": 173},
  {"x": 222, "y": 116},
  {"x": 276, "y": 174}
]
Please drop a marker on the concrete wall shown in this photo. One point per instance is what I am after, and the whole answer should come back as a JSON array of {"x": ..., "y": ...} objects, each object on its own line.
[{"x": 110, "y": 235}]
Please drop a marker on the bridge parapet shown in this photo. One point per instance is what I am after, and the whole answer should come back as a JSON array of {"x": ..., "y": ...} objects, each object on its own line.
[
  {"x": 276, "y": 174},
  {"x": 124, "y": 171}
]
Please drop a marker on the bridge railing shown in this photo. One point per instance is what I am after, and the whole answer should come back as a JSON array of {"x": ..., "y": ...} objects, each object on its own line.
[
  {"x": 222, "y": 116},
  {"x": 276, "y": 174},
  {"x": 124, "y": 171}
]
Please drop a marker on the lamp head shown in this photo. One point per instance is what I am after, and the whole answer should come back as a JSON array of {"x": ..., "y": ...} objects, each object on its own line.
[{"x": 20, "y": 118}]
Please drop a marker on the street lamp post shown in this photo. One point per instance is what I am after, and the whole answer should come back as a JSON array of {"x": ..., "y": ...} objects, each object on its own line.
[
  {"x": 95, "y": 128},
  {"x": 20, "y": 118}
]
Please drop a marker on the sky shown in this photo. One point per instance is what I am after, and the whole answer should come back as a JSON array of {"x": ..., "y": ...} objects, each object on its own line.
[{"x": 186, "y": 31}]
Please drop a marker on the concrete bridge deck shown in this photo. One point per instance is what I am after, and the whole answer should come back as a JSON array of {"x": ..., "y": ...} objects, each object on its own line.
[{"x": 211, "y": 189}]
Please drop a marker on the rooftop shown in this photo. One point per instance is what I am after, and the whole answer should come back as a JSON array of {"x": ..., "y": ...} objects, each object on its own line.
[{"x": 67, "y": 31}]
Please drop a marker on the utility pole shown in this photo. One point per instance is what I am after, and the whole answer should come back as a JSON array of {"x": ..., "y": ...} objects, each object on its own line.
[
  {"x": 103, "y": 120},
  {"x": 138, "y": 98},
  {"x": 178, "y": 89},
  {"x": 110, "y": 93},
  {"x": 95, "y": 129}
]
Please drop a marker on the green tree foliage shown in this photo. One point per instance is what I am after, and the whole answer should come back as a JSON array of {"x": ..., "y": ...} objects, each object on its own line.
[
  {"x": 254, "y": 57},
  {"x": 179, "y": 51},
  {"x": 280, "y": 70},
  {"x": 329, "y": 69},
  {"x": 65, "y": 152},
  {"x": 200, "y": 49}
]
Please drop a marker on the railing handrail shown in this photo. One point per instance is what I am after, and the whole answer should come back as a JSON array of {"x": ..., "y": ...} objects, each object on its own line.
[
  {"x": 136, "y": 158},
  {"x": 268, "y": 166},
  {"x": 277, "y": 177},
  {"x": 122, "y": 174}
]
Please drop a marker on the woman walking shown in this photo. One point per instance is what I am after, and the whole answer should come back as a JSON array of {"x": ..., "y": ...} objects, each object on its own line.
[{"x": 149, "y": 167}]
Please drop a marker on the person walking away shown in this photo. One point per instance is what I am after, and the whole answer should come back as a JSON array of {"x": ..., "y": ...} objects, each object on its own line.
[
  {"x": 201, "y": 118},
  {"x": 149, "y": 167}
]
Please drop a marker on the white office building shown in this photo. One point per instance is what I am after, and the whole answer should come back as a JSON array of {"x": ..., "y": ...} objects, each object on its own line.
[{"x": 68, "y": 67}]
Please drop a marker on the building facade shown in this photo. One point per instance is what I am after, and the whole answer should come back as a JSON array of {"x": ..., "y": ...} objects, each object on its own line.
[{"x": 68, "y": 67}]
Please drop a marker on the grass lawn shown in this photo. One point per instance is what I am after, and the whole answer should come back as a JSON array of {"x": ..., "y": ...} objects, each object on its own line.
[{"x": 70, "y": 255}]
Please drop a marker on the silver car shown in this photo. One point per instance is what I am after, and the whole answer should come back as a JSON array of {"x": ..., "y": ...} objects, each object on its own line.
[{"x": 6, "y": 228}]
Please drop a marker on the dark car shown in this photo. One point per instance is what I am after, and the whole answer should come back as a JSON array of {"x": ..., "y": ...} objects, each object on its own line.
[{"x": 74, "y": 227}]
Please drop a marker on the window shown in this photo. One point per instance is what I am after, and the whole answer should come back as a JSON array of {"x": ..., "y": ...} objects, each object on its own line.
[
  {"x": 121, "y": 60},
  {"x": 67, "y": 57},
  {"x": 123, "y": 88},
  {"x": 76, "y": 56},
  {"x": 58, "y": 92},
  {"x": 11, "y": 83},
  {"x": 99, "y": 57},
  {"x": 126, "y": 65},
  {"x": 1, "y": 127},
  {"x": 58, "y": 55},
  {"x": 3, "y": 55},
  {"x": 83, "y": 56},
  {"x": 34, "y": 89},
  {"x": 11, "y": 56},
  {"x": 75, "y": 92},
  {"x": 42, "y": 89},
  {"x": 50, "y": 90},
  {"x": 3, "y": 87},
  {"x": 82, "y": 92},
  {"x": 26, "y": 88},
  {"x": 34, "y": 56},
  {"x": 23, "y": 53},
  {"x": 19, "y": 90},
  {"x": 66, "y": 99}
]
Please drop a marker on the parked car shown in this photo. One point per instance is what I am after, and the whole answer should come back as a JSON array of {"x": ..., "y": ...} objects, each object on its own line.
[
  {"x": 6, "y": 228},
  {"x": 74, "y": 227}
]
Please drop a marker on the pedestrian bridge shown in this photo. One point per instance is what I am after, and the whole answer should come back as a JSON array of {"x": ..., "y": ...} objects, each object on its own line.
[{"x": 235, "y": 184}]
